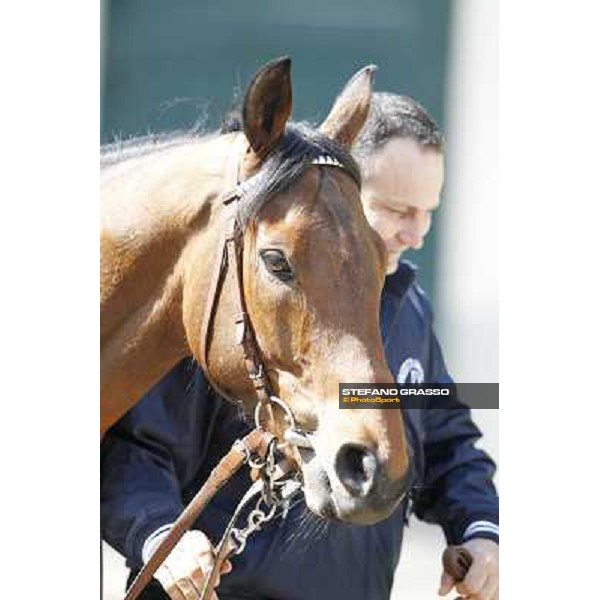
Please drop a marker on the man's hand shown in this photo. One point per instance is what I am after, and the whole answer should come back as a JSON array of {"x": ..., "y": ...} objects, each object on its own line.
[
  {"x": 481, "y": 581},
  {"x": 182, "y": 574}
]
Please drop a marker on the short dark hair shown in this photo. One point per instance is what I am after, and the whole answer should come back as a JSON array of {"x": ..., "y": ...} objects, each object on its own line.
[{"x": 393, "y": 115}]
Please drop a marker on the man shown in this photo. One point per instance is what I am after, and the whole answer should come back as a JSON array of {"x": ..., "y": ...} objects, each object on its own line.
[{"x": 156, "y": 458}]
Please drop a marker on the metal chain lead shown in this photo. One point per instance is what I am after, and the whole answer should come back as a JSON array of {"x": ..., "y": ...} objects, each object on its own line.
[
  {"x": 255, "y": 519},
  {"x": 273, "y": 495}
]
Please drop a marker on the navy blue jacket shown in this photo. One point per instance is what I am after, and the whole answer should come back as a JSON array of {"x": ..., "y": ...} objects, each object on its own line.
[{"x": 155, "y": 459}]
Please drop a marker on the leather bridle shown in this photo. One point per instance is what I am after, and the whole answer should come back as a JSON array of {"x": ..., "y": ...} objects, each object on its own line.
[
  {"x": 258, "y": 447},
  {"x": 230, "y": 258}
]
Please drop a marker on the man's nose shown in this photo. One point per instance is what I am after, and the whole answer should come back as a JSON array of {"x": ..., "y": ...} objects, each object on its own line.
[
  {"x": 414, "y": 231},
  {"x": 411, "y": 237}
]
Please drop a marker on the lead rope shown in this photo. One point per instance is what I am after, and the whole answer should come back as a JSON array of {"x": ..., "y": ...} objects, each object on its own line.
[
  {"x": 256, "y": 443},
  {"x": 274, "y": 493}
]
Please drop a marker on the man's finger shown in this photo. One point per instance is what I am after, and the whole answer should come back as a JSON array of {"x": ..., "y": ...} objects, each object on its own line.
[
  {"x": 166, "y": 579},
  {"x": 489, "y": 591},
  {"x": 174, "y": 592},
  {"x": 197, "y": 576},
  {"x": 188, "y": 589},
  {"x": 474, "y": 580},
  {"x": 206, "y": 561},
  {"x": 446, "y": 584},
  {"x": 226, "y": 567}
]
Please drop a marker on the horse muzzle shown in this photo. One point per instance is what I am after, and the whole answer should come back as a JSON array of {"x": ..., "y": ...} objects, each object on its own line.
[{"x": 356, "y": 490}]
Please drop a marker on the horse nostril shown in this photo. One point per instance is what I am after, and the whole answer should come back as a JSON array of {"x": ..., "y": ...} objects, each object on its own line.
[{"x": 356, "y": 467}]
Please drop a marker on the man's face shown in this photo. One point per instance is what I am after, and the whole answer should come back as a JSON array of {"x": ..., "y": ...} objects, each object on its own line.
[{"x": 401, "y": 187}]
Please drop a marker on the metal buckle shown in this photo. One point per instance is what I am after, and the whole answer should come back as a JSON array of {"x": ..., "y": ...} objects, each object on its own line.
[
  {"x": 255, "y": 519},
  {"x": 292, "y": 435},
  {"x": 275, "y": 400},
  {"x": 258, "y": 375},
  {"x": 279, "y": 496}
]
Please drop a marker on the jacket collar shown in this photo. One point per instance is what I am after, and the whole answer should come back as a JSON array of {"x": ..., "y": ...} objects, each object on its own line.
[{"x": 397, "y": 283}]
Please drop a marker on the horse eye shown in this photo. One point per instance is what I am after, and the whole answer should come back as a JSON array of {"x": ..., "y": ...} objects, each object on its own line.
[{"x": 277, "y": 264}]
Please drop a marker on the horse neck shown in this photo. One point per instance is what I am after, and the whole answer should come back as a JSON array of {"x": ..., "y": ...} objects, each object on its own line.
[{"x": 156, "y": 212}]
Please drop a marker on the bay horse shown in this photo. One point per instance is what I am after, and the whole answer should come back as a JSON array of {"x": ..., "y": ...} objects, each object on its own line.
[{"x": 300, "y": 288}]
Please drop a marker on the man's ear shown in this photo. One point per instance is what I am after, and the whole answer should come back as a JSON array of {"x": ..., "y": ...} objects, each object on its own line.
[
  {"x": 350, "y": 110},
  {"x": 268, "y": 106}
]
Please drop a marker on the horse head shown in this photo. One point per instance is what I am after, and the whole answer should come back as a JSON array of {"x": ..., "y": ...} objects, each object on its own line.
[{"x": 309, "y": 282}]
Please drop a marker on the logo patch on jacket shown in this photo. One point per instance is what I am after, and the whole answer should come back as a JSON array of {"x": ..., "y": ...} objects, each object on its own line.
[{"x": 411, "y": 371}]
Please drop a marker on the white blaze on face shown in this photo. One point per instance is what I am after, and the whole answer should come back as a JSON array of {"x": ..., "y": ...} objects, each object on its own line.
[{"x": 346, "y": 362}]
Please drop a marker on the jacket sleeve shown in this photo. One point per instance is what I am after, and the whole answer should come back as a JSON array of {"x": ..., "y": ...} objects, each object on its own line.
[
  {"x": 458, "y": 492},
  {"x": 142, "y": 473}
]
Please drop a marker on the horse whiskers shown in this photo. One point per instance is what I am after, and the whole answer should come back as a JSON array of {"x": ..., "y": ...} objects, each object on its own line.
[
  {"x": 291, "y": 538},
  {"x": 310, "y": 528},
  {"x": 321, "y": 529}
]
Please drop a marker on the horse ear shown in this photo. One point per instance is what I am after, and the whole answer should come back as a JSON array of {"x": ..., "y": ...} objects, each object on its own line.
[
  {"x": 350, "y": 110},
  {"x": 268, "y": 105}
]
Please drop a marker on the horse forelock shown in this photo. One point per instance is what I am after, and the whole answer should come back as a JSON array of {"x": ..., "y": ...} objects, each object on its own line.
[{"x": 301, "y": 144}]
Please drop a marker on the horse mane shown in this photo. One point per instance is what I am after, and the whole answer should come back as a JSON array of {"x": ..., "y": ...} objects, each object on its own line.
[
  {"x": 301, "y": 144},
  {"x": 121, "y": 150}
]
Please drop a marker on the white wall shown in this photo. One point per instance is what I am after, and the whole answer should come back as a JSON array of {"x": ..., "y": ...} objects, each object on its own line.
[{"x": 468, "y": 225}]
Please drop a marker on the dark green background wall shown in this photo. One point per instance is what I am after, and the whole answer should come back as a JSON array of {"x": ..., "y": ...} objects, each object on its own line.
[{"x": 173, "y": 64}]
